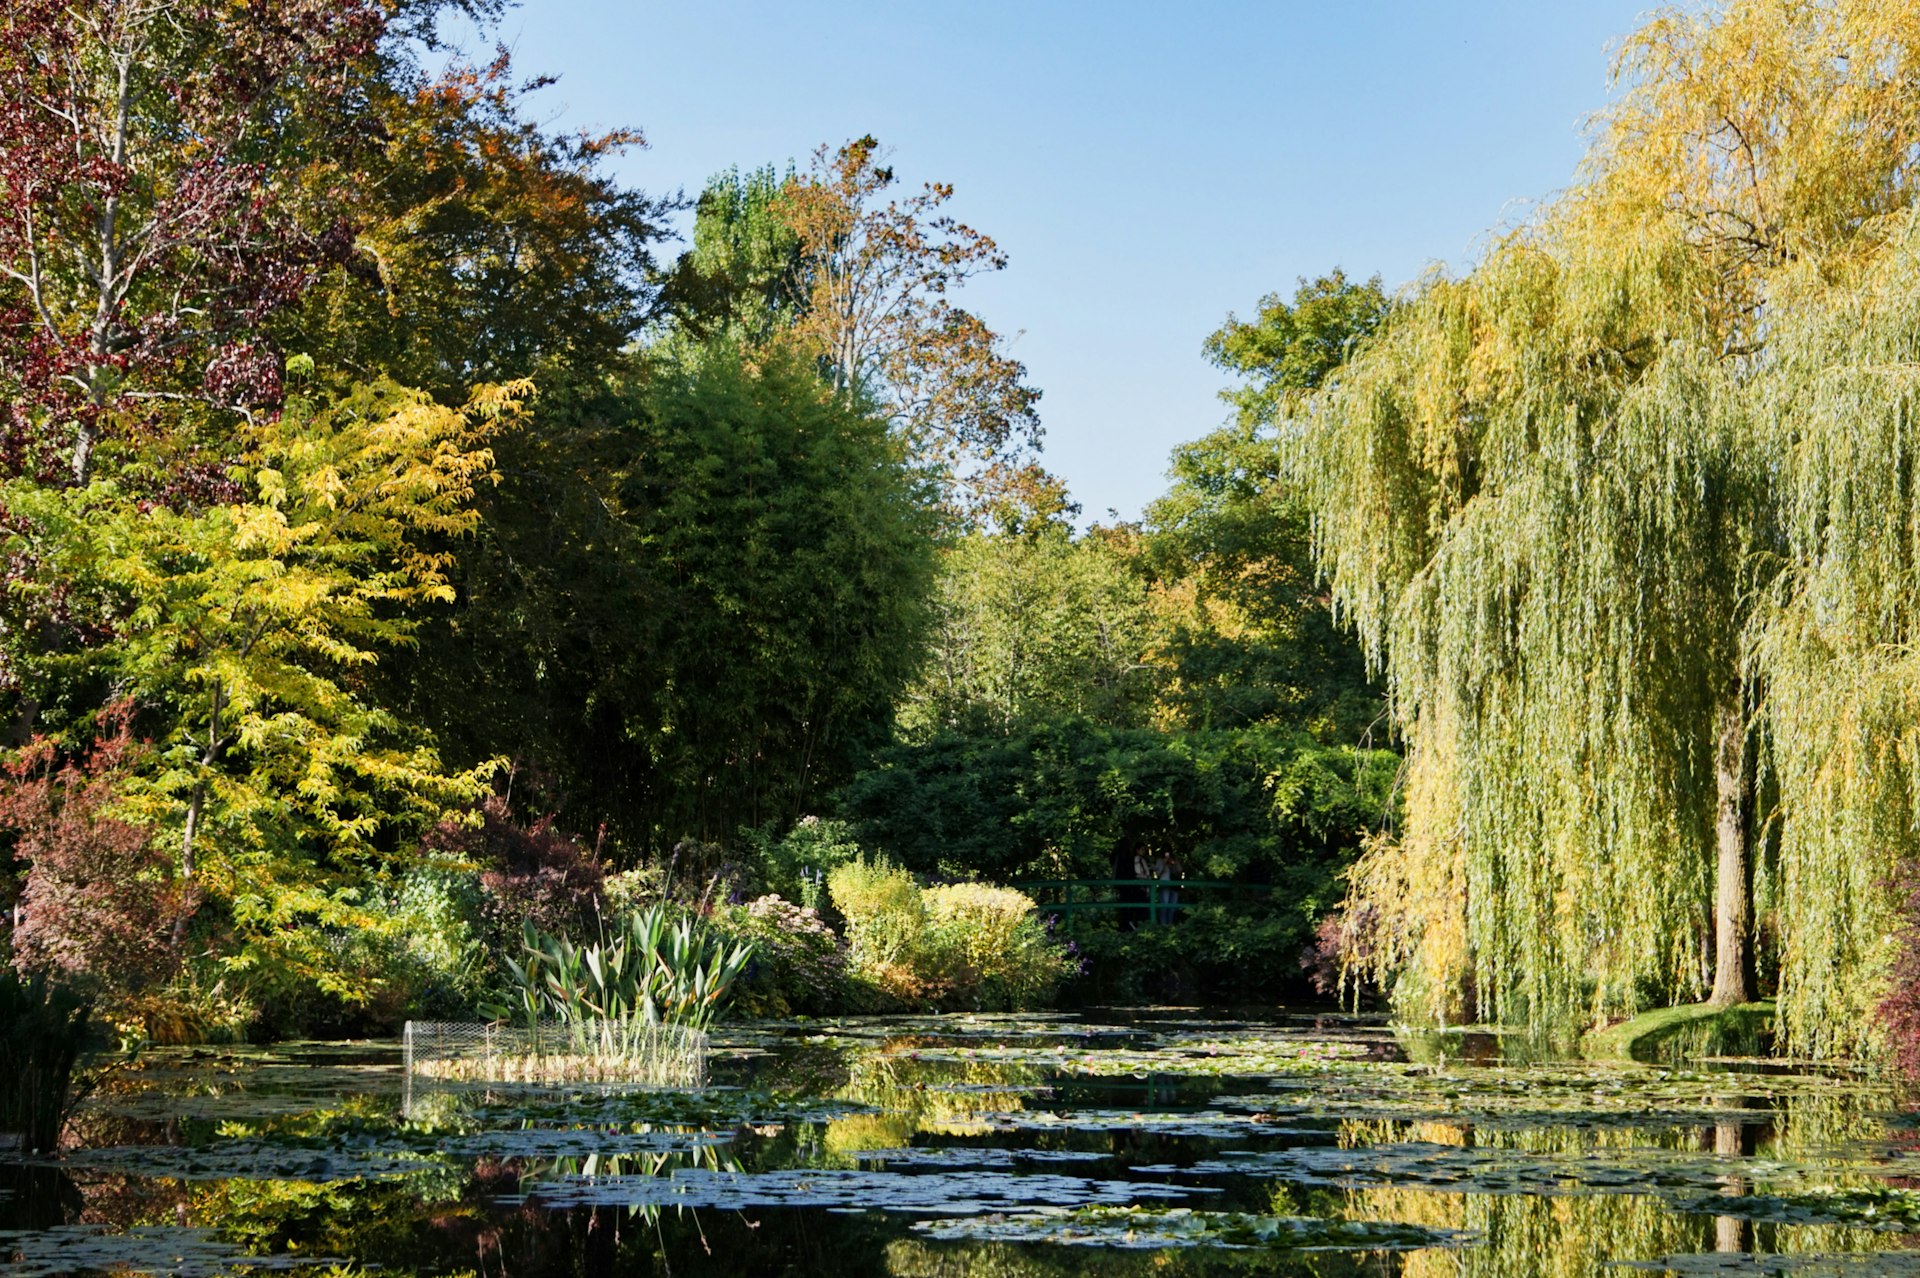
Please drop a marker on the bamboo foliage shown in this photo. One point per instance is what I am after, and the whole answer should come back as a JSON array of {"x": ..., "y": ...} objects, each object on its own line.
[{"x": 1646, "y": 469}]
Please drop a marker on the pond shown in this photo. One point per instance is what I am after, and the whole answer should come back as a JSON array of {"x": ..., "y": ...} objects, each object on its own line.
[{"x": 1164, "y": 1142}]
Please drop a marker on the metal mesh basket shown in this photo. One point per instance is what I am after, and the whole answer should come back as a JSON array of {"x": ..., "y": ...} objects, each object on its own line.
[{"x": 608, "y": 1051}]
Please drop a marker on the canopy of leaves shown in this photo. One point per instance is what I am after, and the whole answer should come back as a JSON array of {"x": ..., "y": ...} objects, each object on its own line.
[
  {"x": 714, "y": 624},
  {"x": 1292, "y": 347},
  {"x": 1245, "y": 632},
  {"x": 1030, "y": 627},
  {"x": 485, "y": 248},
  {"x": 825, "y": 264},
  {"x": 742, "y": 279},
  {"x": 150, "y": 224}
]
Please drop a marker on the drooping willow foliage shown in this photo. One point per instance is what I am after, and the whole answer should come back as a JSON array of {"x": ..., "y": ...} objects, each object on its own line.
[
  {"x": 1838, "y": 412},
  {"x": 1637, "y": 490}
]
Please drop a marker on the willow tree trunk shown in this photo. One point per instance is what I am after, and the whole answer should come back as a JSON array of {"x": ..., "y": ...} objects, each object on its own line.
[{"x": 1733, "y": 976}]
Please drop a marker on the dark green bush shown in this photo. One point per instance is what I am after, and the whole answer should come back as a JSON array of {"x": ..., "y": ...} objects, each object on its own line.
[{"x": 43, "y": 1030}]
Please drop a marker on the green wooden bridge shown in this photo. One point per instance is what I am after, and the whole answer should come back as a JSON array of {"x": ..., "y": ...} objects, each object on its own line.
[{"x": 1078, "y": 896}]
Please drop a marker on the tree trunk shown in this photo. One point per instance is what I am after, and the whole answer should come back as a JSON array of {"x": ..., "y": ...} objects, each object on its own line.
[{"x": 1733, "y": 976}]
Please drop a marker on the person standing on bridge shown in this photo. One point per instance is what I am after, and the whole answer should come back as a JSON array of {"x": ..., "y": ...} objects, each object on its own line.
[
  {"x": 1167, "y": 871},
  {"x": 1141, "y": 892}
]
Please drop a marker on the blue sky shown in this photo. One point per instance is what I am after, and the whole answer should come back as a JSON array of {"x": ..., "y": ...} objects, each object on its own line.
[{"x": 1147, "y": 167}]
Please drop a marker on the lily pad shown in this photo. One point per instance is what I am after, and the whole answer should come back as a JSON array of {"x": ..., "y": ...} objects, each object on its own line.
[{"x": 1141, "y": 1228}]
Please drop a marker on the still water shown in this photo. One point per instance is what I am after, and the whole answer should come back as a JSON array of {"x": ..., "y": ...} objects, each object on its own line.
[{"x": 1165, "y": 1142}]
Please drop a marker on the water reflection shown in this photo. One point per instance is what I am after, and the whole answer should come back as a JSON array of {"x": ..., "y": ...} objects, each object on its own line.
[{"x": 966, "y": 1146}]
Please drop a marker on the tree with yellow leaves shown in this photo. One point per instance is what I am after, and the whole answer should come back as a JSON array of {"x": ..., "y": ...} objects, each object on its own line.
[{"x": 244, "y": 633}]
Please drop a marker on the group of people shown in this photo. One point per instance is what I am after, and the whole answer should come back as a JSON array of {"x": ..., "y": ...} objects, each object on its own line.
[{"x": 1163, "y": 898}]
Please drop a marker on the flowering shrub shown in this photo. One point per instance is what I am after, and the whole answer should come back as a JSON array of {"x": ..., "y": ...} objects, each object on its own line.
[{"x": 799, "y": 963}]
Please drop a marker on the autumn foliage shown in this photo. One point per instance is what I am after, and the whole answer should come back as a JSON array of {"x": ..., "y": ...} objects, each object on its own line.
[{"x": 99, "y": 901}]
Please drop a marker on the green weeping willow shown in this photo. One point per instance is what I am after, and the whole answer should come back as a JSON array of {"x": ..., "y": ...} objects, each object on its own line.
[{"x": 1627, "y": 516}]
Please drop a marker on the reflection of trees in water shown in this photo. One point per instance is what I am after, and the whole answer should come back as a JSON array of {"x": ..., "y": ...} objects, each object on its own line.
[
  {"x": 805, "y": 1069},
  {"x": 1528, "y": 1236},
  {"x": 37, "y": 1197},
  {"x": 911, "y": 1258},
  {"x": 941, "y": 1097},
  {"x": 1576, "y": 1235}
]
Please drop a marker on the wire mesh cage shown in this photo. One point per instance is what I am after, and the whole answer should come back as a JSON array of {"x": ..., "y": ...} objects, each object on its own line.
[{"x": 552, "y": 1051}]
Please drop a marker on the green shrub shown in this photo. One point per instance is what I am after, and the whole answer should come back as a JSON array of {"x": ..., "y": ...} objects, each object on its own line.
[
  {"x": 886, "y": 917},
  {"x": 990, "y": 947},
  {"x": 1251, "y": 949},
  {"x": 631, "y": 891},
  {"x": 439, "y": 956},
  {"x": 962, "y": 945},
  {"x": 797, "y": 863}
]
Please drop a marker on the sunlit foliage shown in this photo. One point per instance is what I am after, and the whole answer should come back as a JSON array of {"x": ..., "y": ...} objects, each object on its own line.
[{"x": 1620, "y": 514}]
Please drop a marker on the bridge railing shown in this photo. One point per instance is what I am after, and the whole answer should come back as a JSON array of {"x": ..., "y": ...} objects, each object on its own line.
[{"x": 1058, "y": 896}]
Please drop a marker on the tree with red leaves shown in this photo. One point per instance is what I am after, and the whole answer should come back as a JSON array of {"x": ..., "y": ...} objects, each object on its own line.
[
  {"x": 99, "y": 901},
  {"x": 147, "y": 224}
]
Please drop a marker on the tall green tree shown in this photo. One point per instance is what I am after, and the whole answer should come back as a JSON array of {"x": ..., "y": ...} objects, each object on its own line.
[
  {"x": 709, "y": 621},
  {"x": 1249, "y": 633},
  {"x": 789, "y": 549},
  {"x": 1292, "y": 346},
  {"x": 1031, "y": 626},
  {"x": 741, "y": 280},
  {"x": 1245, "y": 629}
]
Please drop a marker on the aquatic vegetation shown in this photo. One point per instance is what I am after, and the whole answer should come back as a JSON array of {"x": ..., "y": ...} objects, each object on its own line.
[
  {"x": 154, "y": 1249},
  {"x": 628, "y": 1049},
  {"x": 1139, "y": 1227},
  {"x": 659, "y": 965},
  {"x": 841, "y": 1189},
  {"x": 633, "y": 1006},
  {"x": 993, "y": 1145},
  {"x": 1195, "y": 1055}
]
